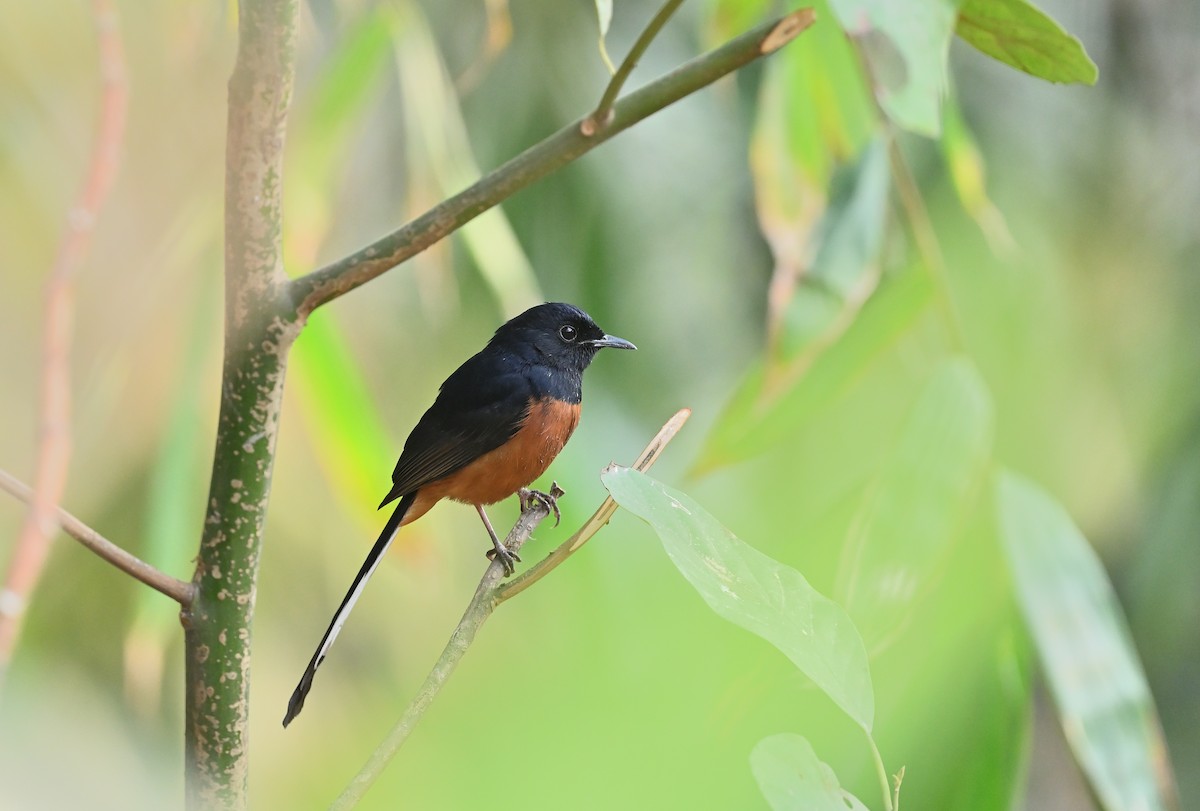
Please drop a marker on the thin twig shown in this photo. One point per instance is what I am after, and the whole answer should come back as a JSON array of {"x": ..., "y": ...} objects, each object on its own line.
[
  {"x": 880, "y": 772},
  {"x": 32, "y": 547},
  {"x": 897, "y": 779},
  {"x": 599, "y": 518},
  {"x": 178, "y": 590},
  {"x": 600, "y": 116},
  {"x": 489, "y": 594},
  {"x": 323, "y": 285}
]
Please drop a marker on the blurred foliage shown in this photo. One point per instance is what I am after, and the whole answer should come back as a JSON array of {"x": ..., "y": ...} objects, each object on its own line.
[{"x": 752, "y": 242}]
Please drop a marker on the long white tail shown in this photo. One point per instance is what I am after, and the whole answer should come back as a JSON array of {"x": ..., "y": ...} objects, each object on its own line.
[{"x": 296, "y": 703}]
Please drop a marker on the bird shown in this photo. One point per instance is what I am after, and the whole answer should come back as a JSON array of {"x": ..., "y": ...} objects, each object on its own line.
[{"x": 497, "y": 423}]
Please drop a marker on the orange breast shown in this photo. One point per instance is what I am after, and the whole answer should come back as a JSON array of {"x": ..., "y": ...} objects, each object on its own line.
[{"x": 501, "y": 472}]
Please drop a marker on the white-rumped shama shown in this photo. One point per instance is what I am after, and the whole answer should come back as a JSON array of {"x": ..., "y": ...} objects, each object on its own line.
[{"x": 496, "y": 425}]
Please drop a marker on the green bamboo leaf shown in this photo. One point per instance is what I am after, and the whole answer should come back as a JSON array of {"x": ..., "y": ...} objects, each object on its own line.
[
  {"x": 440, "y": 156},
  {"x": 1019, "y": 34},
  {"x": 912, "y": 513},
  {"x": 845, "y": 270},
  {"x": 906, "y": 44},
  {"x": 324, "y": 125},
  {"x": 340, "y": 418},
  {"x": 814, "y": 113},
  {"x": 173, "y": 509},
  {"x": 762, "y": 413},
  {"x": 792, "y": 778},
  {"x": 1085, "y": 650},
  {"x": 333, "y": 399},
  {"x": 754, "y": 591}
]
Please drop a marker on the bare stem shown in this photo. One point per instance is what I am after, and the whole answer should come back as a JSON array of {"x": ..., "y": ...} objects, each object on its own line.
[
  {"x": 599, "y": 518},
  {"x": 32, "y": 547},
  {"x": 569, "y": 143},
  {"x": 881, "y": 773},
  {"x": 490, "y": 592},
  {"x": 599, "y": 117},
  {"x": 177, "y": 590}
]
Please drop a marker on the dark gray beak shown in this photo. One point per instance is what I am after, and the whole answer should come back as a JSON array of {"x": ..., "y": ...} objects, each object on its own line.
[{"x": 614, "y": 342}]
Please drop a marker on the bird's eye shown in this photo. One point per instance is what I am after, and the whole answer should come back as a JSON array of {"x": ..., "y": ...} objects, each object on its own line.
[{"x": 568, "y": 333}]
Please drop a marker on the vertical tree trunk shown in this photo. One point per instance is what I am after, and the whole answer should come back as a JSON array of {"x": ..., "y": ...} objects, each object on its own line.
[{"x": 260, "y": 325}]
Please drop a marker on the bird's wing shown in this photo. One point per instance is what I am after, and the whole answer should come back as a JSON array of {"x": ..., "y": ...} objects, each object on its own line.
[{"x": 468, "y": 419}]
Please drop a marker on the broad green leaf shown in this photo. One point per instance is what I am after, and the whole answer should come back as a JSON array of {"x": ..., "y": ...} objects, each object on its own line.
[
  {"x": 911, "y": 514},
  {"x": 1019, "y": 34},
  {"x": 754, "y": 591},
  {"x": 792, "y": 778},
  {"x": 763, "y": 412},
  {"x": 846, "y": 268},
  {"x": 906, "y": 44},
  {"x": 604, "y": 9},
  {"x": 440, "y": 159},
  {"x": 814, "y": 114},
  {"x": 1084, "y": 648}
]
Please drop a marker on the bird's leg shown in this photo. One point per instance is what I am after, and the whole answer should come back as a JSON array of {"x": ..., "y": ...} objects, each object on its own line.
[
  {"x": 508, "y": 560},
  {"x": 548, "y": 500}
]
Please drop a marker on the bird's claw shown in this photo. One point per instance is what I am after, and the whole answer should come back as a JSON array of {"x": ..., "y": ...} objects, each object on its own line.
[
  {"x": 547, "y": 500},
  {"x": 508, "y": 558}
]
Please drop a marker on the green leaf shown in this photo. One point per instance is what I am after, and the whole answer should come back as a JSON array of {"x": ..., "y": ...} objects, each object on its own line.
[
  {"x": 792, "y": 778},
  {"x": 846, "y": 268},
  {"x": 762, "y": 413},
  {"x": 323, "y": 130},
  {"x": 912, "y": 513},
  {"x": 1085, "y": 650},
  {"x": 1019, "y": 34},
  {"x": 604, "y": 9},
  {"x": 753, "y": 591},
  {"x": 814, "y": 112},
  {"x": 906, "y": 44}
]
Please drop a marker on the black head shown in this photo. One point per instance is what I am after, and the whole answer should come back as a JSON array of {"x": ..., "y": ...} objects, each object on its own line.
[{"x": 556, "y": 334}]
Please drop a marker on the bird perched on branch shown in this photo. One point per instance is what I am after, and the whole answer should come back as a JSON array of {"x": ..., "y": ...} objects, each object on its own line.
[{"x": 496, "y": 425}]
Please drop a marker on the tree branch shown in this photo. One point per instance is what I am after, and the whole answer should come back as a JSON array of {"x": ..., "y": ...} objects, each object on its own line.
[
  {"x": 32, "y": 547},
  {"x": 599, "y": 117},
  {"x": 488, "y": 594},
  {"x": 260, "y": 326},
  {"x": 177, "y": 590},
  {"x": 323, "y": 285}
]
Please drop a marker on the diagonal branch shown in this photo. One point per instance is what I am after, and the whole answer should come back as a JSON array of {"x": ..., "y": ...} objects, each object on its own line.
[
  {"x": 489, "y": 594},
  {"x": 32, "y": 547},
  {"x": 177, "y": 590},
  {"x": 323, "y": 285}
]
